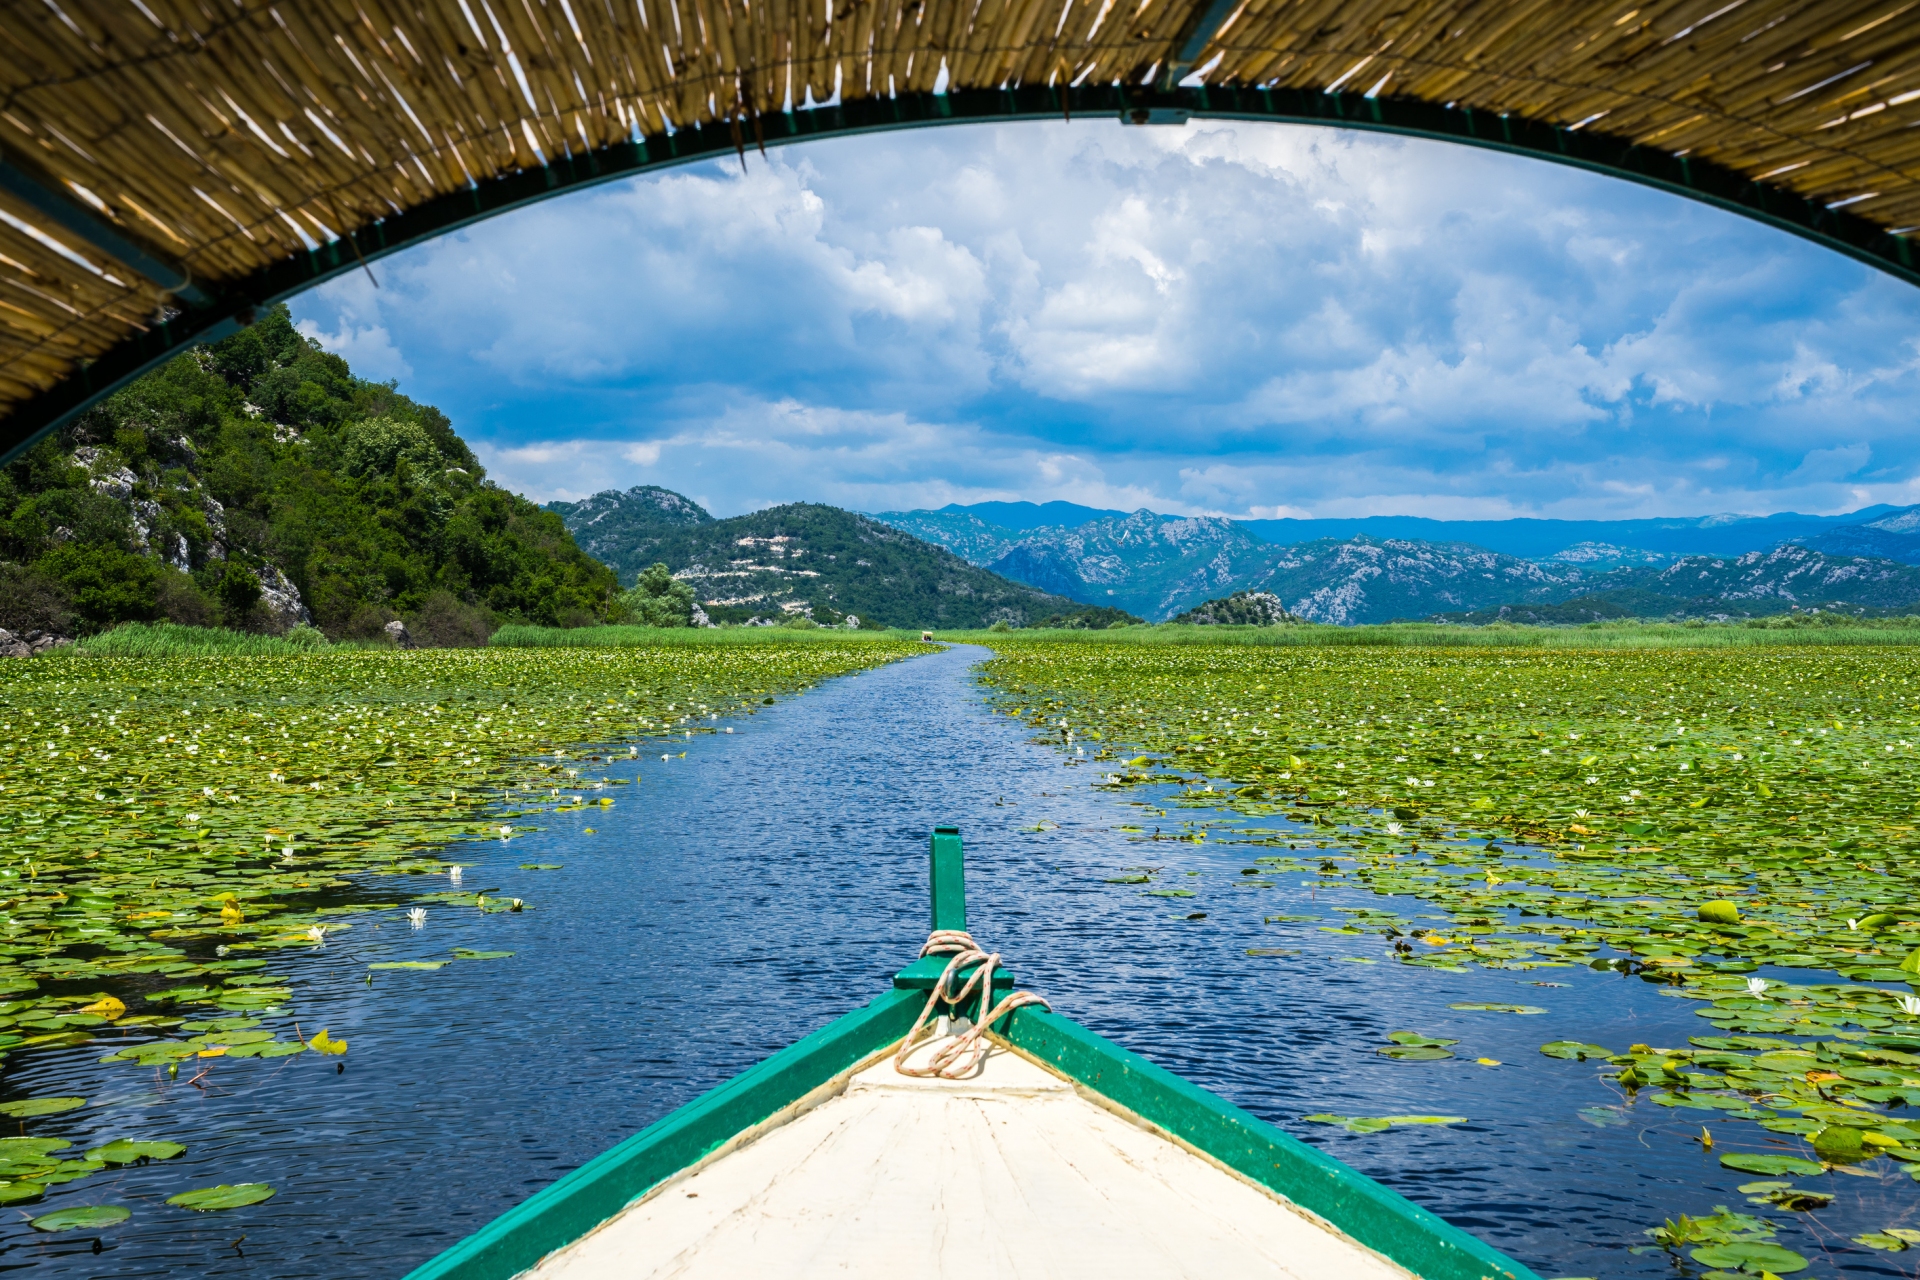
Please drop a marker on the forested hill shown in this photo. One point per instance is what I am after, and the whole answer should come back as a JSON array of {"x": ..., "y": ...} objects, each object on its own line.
[
  {"x": 258, "y": 484},
  {"x": 809, "y": 559}
]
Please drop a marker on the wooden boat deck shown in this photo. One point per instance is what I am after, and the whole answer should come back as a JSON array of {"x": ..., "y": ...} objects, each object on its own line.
[{"x": 1011, "y": 1173}]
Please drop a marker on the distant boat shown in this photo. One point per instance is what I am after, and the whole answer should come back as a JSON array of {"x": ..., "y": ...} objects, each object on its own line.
[{"x": 1052, "y": 1152}]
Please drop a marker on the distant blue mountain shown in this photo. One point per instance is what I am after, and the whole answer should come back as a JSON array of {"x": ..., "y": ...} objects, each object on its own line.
[
  {"x": 1030, "y": 515},
  {"x": 1158, "y": 565},
  {"x": 1539, "y": 539}
]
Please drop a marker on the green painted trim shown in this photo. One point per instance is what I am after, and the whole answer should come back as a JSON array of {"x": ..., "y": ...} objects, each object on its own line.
[
  {"x": 947, "y": 874},
  {"x": 570, "y": 1208},
  {"x": 1383, "y": 1220},
  {"x": 925, "y": 972}
]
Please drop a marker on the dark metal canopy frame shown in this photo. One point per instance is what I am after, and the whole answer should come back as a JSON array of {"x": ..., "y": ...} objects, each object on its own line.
[{"x": 207, "y": 313}]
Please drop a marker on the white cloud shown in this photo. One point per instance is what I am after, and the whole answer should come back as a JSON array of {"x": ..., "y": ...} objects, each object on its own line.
[{"x": 1226, "y": 317}]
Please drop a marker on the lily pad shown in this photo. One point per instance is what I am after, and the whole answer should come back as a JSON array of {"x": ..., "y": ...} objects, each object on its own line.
[
  {"x": 546, "y": 866},
  {"x": 467, "y": 953},
  {"x": 208, "y": 1199},
  {"x": 1415, "y": 1052},
  {"x": 1751, "y": 1255},
  {"x": 28, "y": 1107},
  {"x": 409, "y": 964},
  {"x": 1755, "y": 1162},
  {"x": 1575, "y": 1050},
  {"x": 84, "y": 1218},
  {"x": 129, "y": 1151},
  {"x": 20, "y": 1192},
  {"x": 1499, "y": 1008}
]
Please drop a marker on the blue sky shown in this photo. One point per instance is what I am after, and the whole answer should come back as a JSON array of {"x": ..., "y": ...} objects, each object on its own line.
[{"x": 1238, "y": 319}]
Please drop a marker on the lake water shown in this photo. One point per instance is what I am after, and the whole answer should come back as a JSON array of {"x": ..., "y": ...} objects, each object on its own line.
[{"x": 773, "y": 879}]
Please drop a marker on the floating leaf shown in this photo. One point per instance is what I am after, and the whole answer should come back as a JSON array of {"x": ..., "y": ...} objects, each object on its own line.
[
  {"x": 40, "y": 1107},
  {"x": 541, "y": 866},
  {"x": 108, "y": 1007},
  {"x": 409, "y": 964},
  {"x": 1415, "y": 1053},
  {"x": 1754, "y": 1162},
  {"x": 128, "y": 1151},
  {"x": 1751, "y": 1255},
  {"x": 323, "y": 1043},
  {"x": 88, "y": 1218},
  {"x": 20, "y": 1192},
  {"x": 464, "y": 953},
  {"x": 207, "y": 1199},
  {"x": 1499, "y": 1008},
  {"x": 1576, "y": 1050}
]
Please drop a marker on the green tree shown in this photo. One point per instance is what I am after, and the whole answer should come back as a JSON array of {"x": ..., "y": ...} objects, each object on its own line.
[{"x": 658, "y": 599}]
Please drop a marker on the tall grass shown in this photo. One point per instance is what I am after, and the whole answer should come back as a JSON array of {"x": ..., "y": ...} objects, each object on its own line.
[
  {"x": 626, "y": 637},
  {"x": 171, "y": 640},
  {"x": 1432, "y": 635}
]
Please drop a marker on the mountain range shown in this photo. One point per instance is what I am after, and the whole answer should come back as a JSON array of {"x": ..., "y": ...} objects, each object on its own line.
[
  {"x": 807, "y": 559},
  {"x": 1159, "y": 566}
]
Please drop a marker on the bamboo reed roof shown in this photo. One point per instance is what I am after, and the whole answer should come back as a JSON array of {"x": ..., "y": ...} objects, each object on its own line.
[{"x": 218, "y": 138}]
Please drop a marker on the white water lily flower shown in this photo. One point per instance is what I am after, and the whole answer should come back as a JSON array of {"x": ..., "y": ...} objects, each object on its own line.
[
  {"x": 1579, "y": 813},
  {"x": 1910, "y": 1005},
  {"x": 1756, "y": 986},
  {"x": 417, "y": 917},
  {"x": 192, "y": 817},
  {"x": 633, "y": 753},
  {"x": 317, "y": 933},
  {"x": 1394, "y": 828},
  {"x": 453, "y": 873},
  {"x": 220, "y": 950},
  {"x": 505, "y": 832},
  {"x": 1592, "y": 779}
]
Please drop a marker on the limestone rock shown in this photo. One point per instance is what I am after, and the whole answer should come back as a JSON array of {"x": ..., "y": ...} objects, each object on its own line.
[
  {"x": 281, "y": 599},
  {"x": 397, "y": 631}
]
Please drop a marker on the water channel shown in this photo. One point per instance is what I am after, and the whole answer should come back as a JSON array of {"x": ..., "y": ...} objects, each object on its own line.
[{"x": 737, "y": 898}]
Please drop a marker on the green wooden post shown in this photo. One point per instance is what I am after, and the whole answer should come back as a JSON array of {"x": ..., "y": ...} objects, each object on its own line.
[{"x": 948, "y": 877}]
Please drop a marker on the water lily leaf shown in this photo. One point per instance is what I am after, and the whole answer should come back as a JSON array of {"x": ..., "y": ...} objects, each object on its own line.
[
  {"x": 1418, "y": 1039},
  {"x": 324, "y": 1043},
  {"x": 208, "y": 1199},
  {"x": 1575, "y": 1050},
  {"x": 1499, "y": 1008},
  {"x": 1751, "y": 1255},
  {"x": 87, "y": 1218},
  {"x": 20, "y": 1192},
  {"x": 466, "y": 953},
  {"x": 128, "y": 1151},
  {"x": 15, "y": 1150},
  {"x": 546, "y": 866},
  {"x": 269, "y": 1049},
  {"x": 108, "y": 1007},
  {"x": 1604, "y": 1117},
  {"x": 1753, "y": 1162},
  {"x": 40, "y": 1107},
  {"x": 413, "y": 964},
  {"x": 1415, "y": 1053},
  {"x": 1879, "y": 1240},
  {"x": 1273, "y": 951}
]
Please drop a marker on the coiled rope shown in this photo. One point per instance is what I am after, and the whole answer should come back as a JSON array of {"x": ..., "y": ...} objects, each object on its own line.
[{"x": 960, "y": 1056}]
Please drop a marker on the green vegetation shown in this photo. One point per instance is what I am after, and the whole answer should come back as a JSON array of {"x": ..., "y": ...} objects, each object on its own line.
[
  {"x": 1683, "y": 814},
  {"x": 170, "y": 640},
  {"x": 1792, "y": 629},
  {"x": 174, "y": 823},
  {"x": 243, "y": 482},
  {"x": 628, "y": 637}
]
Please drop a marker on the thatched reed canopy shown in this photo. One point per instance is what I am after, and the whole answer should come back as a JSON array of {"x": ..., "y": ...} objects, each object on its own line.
[{"x": 167, "y": 165}]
